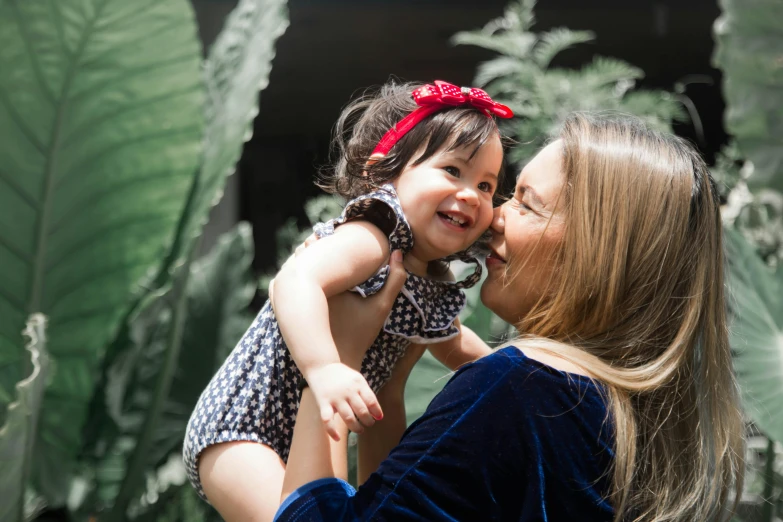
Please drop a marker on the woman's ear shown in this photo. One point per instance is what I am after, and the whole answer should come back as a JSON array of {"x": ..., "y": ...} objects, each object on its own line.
[{"x": 373, "y": 159}]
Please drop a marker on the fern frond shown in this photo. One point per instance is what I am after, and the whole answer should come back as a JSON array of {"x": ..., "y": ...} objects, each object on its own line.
[
  {"x": 518, "y": 45},
  {"x": 605, "y": 71},
  {"x": 504, "y": 67},
  {"x": 557, "y": 40}
]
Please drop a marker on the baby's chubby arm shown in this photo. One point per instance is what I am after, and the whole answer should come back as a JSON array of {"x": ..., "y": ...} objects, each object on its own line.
[
  {"x": 461, "y": 349},
  {"x": 326, "y": 268}
]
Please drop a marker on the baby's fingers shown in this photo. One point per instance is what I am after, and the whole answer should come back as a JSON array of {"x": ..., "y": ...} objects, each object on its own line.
[
  {"x": 345, "y": 411},
  {"x": 327, "y": 416},
  {"x": 360, "y": 410},
  {"x": 371, "y": 403}
]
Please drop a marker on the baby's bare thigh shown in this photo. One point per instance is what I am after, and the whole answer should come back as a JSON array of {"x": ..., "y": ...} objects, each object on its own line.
[{"x": 242, "y": 480}]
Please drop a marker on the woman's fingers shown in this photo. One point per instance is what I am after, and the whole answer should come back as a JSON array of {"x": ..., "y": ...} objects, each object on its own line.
[{"x": 396, "y": 279}]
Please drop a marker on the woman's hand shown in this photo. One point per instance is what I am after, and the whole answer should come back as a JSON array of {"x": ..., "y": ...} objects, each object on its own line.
[{"x": 356, "y": 321}]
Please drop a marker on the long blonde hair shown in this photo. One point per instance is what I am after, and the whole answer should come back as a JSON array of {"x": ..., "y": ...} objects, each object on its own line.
[{"x": 638, "y": 301}]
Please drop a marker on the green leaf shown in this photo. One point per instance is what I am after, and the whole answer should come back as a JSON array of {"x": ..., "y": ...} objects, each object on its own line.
[
  {"x": 426, "y": 380},
  {"x": 17, "y": 435},
  {"x": 236, "y": 69},
  {"x": 749, "y": 46},
  {"x": 756, "y": 333},
  {"x": 542, "y": 96},
  {"x": 179, "y": 504},
  {"x": 502, "y": 66},
  {"x": 155, "y": 384},
  {"x": 556, "y": 41},
  {"x": 516, "y": 45},
  {"x": 101, "y": 134}
]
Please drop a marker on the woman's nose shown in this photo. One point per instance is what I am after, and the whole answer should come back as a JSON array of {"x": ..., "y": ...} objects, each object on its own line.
[{"x": 498, "y": 220}]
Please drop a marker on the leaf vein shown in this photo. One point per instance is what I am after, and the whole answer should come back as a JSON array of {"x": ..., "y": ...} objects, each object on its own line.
[
  {"x": 9, "y": 180},
  {"x": 114, "y": 147},
  {"x": 93, "y": 198}
]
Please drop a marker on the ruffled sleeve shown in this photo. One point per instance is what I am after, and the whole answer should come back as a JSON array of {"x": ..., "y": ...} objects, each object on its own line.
[
  {"x": 426, "y": 309},
  {"x": 382, "y": 208}
]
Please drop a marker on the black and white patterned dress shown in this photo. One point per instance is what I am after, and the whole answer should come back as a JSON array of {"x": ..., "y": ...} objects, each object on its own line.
[{"x": 254, "y": 397}]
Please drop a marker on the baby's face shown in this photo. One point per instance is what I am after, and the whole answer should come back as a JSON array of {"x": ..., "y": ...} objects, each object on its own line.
[{"x": 447, "y": 199}]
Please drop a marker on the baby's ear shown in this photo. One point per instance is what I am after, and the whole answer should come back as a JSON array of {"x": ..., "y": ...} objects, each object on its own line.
[{"x": 373, "y": 159}]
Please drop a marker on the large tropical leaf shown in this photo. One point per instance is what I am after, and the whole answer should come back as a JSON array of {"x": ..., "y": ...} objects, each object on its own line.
[
  {"x": 18, "y": 433},
  {"x": 749, "y": 47},
  {"x": 154, "y": 385},
  {"x": 236, "y": 69},
  {"x": 101, "y": 135},
  {"x": 757, "y": 333}
]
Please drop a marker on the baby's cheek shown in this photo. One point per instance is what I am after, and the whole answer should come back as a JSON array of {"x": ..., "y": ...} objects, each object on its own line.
[{"x": 485, "y": 217}]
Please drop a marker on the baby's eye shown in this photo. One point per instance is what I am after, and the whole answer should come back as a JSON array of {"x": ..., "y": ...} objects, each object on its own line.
[
  {"x": 485, "y": 186},
  {"x": 454, "y": 171}
]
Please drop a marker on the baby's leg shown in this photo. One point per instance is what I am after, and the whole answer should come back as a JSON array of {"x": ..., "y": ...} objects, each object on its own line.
[{"x": 243, "y": 480}]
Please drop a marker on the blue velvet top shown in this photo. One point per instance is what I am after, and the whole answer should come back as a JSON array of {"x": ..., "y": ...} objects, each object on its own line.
[{"x": 508, "y": 438}]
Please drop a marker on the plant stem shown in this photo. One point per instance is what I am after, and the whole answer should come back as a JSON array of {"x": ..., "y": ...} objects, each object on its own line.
[
  {"x": 768, "y": 507},
  {"x": 138, "y": 461}
]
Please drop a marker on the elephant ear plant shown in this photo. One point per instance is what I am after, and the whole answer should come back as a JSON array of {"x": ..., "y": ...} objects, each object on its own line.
[
  {"x": 748, "y": 50},
  {"x": 115, "y": 142}
]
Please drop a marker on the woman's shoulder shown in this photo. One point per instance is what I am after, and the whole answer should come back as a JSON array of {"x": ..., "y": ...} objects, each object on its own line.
[{"x": 532, "y": 384}]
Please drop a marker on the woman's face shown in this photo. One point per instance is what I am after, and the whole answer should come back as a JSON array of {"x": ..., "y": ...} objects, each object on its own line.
[{"x": 526, "y": 231}]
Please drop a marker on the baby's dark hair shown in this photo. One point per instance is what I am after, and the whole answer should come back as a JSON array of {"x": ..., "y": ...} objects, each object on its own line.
[{"x": 365, "y": 120}]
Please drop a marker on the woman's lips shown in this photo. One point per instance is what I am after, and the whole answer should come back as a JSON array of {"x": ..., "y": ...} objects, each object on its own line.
[{"x": 493, "y": 259}]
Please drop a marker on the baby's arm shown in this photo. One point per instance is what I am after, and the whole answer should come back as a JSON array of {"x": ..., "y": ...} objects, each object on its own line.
[
  {"x": 462, "y": 349},
  {"x": 331, "y": 265}
]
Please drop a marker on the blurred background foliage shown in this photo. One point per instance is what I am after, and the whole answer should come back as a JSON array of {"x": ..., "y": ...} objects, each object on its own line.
[{"x": 117, "y": 140}]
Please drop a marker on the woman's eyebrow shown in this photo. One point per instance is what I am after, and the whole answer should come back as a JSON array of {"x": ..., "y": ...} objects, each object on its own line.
[{"x": 527, "y": 189}]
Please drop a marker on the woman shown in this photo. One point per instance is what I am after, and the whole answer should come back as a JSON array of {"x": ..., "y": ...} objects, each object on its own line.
[
  {"x": 617, "y": 401},
  {"x": 608, "y": 259}
]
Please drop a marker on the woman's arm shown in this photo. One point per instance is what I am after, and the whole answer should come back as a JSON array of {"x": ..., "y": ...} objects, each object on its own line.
[
  {"x": 378, "y": 440},
  {"x": 462, "y": 349},
  {"x": 460, "y": 461},
  {"x": 328, "y": 267}
]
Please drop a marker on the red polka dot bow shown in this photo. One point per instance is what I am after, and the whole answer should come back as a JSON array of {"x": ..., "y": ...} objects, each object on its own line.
[
  {"x": 432, "y": 98},
  {"x": 447, "y": 94}
]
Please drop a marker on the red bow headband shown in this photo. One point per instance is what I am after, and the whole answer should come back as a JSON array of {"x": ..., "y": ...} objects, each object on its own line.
[{"x": 431, "y": 99}]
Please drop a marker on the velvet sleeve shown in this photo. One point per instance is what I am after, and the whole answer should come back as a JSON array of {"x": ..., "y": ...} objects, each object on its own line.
[{"x": 473, "y": 455}]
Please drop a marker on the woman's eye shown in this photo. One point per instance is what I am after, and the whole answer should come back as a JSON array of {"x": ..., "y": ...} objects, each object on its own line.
[
  {"x": 521, "y": 205},
  {"x": 485, "y": 187},
  {"x": 454, "y": 171}
]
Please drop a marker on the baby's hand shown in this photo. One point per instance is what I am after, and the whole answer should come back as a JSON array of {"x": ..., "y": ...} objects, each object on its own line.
[{"x": 339, "y": 389}]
